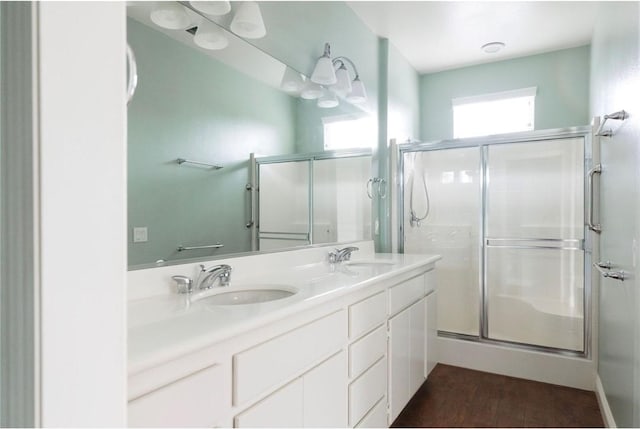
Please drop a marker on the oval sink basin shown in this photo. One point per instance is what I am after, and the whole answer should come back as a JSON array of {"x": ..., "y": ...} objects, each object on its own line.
[
  {"x": 248, "y": 296},
  {"x": 369, "y": 263}
]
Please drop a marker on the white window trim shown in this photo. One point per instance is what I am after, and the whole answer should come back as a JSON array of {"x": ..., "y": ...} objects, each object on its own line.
[{"x": 502, "y": 95}]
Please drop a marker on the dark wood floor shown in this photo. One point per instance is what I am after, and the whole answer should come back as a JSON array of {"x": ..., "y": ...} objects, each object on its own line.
[{"x": 458, "y": 397}]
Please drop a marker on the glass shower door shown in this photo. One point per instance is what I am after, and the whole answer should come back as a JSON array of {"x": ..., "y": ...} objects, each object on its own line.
[
  {"x": 534, "y": 243},
  {"x": 441, "y": 216}
]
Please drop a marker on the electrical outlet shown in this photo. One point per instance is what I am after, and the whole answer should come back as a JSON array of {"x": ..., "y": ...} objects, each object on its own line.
[{"x": 140, "y": 234}]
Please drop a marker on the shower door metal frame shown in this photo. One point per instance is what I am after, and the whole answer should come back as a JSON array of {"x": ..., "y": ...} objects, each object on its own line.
[{"x": 483, "y": 143}]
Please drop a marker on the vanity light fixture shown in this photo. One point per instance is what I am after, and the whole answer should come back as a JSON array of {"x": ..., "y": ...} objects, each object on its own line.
[
  {"x": 334, "y": 75},
  {"x": 170, "y": 15},
  {"x": 247, "y": 21},
  {"x": 292, "y": 81},
  {"x": 492, "y": 47},
  {"x": 210, "y": 36},
  {"x": 212, "y": 7},
  {"x": 311, "y": 90},
  {"x": 328, "y": 100}
]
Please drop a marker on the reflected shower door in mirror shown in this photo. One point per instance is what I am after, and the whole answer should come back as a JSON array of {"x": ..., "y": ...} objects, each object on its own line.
[
  {"x": 313, "y": 201},
  {"x": 441, "y": 210},
  {"x": 210, "y": 107}
]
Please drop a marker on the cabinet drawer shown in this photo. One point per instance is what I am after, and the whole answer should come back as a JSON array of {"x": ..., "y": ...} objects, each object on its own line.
[
  {"x": 430, "y": 281},
  {"x": 367, "y": 350},
  {"x": 406, "y": 293},
  {"x": 280, "y": 409},
  {"x": 376, "y": 418},
  {"x": 278, "y": 360},
  {"x": 366, "y": 314},
  {"x": 366, "y": 391},
  {"x": 205, "y": 394}
]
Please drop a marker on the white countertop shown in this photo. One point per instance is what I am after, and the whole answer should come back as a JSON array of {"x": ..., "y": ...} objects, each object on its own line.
[{"x": 163, "y": 328}]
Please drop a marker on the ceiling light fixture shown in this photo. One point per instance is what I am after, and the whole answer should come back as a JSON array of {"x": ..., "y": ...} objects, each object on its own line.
[
  {"x": 170, "y": 15},
  {"x": 492, "y": 47},
  {"x": 333, "y": 74},
  {"x": 247, "y": 21}
]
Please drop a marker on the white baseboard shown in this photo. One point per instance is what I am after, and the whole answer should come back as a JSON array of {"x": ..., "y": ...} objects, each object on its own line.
[
  {"x": 568, "y": 371},
  {"x": 605, "y": 410}
]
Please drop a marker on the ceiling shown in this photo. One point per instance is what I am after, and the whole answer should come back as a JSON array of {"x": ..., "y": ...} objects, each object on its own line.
[{"x": 440, "y": 35}]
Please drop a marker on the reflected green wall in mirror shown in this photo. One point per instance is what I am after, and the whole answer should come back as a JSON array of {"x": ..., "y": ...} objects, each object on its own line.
[{"x": 189, "y": 105}]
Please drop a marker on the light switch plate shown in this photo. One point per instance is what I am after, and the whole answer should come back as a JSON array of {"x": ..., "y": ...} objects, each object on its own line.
[{"x": 140, "y": 234}]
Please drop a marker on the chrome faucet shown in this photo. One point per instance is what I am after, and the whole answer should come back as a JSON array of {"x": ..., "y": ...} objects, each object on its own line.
[
  {"x": 339, "y": 255},
  {"x": 208, "y": 276}
]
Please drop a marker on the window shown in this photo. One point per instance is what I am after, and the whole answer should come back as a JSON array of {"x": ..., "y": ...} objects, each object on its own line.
[
  {"x": 496, "y": 113},
  {"x": 349, "y": 132}
]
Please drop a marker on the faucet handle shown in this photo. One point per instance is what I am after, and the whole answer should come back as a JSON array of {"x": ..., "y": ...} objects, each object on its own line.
[
  {"x": 184, "y": 283},
  {"x": 333, "y": 256}
]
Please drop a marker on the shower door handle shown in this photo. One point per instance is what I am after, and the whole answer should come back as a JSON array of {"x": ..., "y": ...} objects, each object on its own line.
[{"x": 597, "y": 169}]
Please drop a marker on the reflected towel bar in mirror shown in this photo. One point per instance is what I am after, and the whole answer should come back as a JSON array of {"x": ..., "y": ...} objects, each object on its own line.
[
  {"x": 181, "y": 161},
  {"x": 209, "y": 246}
]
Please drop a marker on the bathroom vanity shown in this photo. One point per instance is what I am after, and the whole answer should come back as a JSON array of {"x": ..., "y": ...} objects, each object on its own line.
[{"x": 349, "y": 347}]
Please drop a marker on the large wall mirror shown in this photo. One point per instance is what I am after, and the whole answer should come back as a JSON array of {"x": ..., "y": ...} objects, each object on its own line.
[{"x": 218, "y": 136}]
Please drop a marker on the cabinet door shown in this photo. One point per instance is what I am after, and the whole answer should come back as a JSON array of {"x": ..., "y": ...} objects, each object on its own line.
[
  {"x": 417, "y": 353},
  {"x": 399, "y": 362},
  {"x": 407, "y": 355},
  {"x": 325, "y": 393},
  {"x": 432, "y": 332},
  {"x": 280, "y": 409}
]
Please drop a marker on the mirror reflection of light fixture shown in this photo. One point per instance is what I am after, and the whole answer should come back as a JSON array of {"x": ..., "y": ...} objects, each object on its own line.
[
  {"x": 212, "y": 7},
  {"x": 339, "y": 80},
  {"x": 292, "y": 81},
  {"x": 328, "y": 100},
  {"x": 210, "y": 36},
  {"x": 247, "y": 21},
  {"x": 170, "y": 15}
]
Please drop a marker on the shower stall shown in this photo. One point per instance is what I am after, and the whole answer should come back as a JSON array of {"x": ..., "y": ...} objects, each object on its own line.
[{"x": 507, "y": 214}]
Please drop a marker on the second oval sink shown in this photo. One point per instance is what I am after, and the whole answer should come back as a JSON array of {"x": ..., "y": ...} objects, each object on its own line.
[{"x": 248, "y": 296}]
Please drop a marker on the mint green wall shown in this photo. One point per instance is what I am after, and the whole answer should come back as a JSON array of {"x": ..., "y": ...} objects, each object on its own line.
[
  {"x": 615, "y": 85},
  {"x": 562, "y": 78},
  {"x": 403, "y": 98},
  {"x": 296, "y": 34},
  {"x": 189, "y": 105}
]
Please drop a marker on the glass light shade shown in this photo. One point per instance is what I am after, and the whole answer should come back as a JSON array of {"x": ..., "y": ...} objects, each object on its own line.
[
  {"x": 323, "y": 73},
  {"x": 358, "y": 93},
  {"x": 247, "y": 21},
  {"x": 291, "y": 81},
  {"x": 212, "y": 7},
  {"x": 210, "y": 36},
  {"x": 328, "y": 100},
  {"x": 311, "y": 91},
  {"x": 170, "y": 15},
  {"x": 343, "y": 84}
]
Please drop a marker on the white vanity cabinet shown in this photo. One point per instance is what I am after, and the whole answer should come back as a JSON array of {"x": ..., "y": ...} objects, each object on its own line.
[
  {"x": 411, "y": 347},
  {"x": 354, "y": 361},
  {"x": 367, "y": 359},
  {"x": 316, "y": 399}
]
